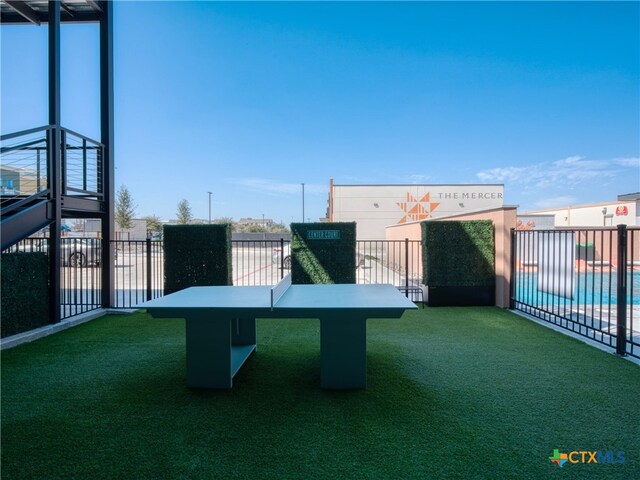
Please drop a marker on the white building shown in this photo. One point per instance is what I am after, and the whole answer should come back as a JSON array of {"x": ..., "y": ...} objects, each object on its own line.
[
  {"x": 626, "y": 210},
  {"x": 374, "y": 207}
]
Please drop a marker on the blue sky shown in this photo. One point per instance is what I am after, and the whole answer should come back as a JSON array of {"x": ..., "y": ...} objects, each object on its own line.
[{"x": 248, "y": 100}]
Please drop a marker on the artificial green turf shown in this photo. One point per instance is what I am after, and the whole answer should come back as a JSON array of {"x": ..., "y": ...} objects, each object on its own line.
[{"x": 453, "y": 393}]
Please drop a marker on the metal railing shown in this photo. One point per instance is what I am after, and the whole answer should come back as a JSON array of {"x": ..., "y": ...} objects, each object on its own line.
[
  {"x": 583, "y": 280},
  {"x": 25, "y": 166},
  {"x": 139, "y": 273},
  {"x": 397, "y": 262},
  {"x": 139, "y": 267},
  {"x": 260, "y": 262},
  {"x": 82, "y": 165},
  {"x": 80, "y": 276}
]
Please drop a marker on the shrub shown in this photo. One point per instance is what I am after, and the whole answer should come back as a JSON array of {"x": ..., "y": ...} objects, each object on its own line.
[
  {"x": 317, "y": 259},
  {"x": 458, "y": 253},
  {"x": 196, "y": 255},
  {"x": 25, "y": 292}
]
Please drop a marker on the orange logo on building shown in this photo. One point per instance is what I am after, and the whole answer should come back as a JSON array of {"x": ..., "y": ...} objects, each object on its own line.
[
  {"x": 415, "y": 209},
  {"x": 622, "y": 211}
]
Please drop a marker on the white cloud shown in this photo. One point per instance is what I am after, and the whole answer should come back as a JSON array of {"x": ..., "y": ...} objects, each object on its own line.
[
  {"x": 278, "y": 189},
  {"x": 569, "y": 172},
  {"x": 555, "y": 202},
  {"x": 633, "y": 162},
  {"x": 502, "y": 174},
  {"x": 419, "y": 178}
]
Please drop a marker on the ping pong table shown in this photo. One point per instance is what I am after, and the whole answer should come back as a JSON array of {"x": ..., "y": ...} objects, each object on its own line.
[{"x": 221, "y": 326}]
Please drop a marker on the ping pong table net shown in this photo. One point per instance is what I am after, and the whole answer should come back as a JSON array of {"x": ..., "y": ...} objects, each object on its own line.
[{"x": 278, "y": 290}]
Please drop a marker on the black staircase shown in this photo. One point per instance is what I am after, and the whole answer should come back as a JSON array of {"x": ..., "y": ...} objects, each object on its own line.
[{"x": 26, "y": 198}]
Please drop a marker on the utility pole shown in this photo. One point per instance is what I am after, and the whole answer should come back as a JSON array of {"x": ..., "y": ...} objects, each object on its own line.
[
  {"x": 303, "y": 203},
  {"x": 209, "y": 207}
]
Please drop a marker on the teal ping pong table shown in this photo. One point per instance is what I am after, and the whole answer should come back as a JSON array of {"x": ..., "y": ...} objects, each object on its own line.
[{"x": 221, "y": 326}]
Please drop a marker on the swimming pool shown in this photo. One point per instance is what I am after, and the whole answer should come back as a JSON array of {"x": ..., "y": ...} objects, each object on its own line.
[{"x": 590, "y": 288}]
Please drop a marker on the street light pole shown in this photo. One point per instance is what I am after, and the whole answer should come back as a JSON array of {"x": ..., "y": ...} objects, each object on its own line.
[
  {"x": 209, "y": 207},
  {"x": 303, "y": 203}
]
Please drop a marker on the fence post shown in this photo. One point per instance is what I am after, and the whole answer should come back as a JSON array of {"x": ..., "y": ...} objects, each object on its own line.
[
  {"x": 406, "y": 266},
  {"x": 621, "y": 336},
  {"x": 148, "y": 244},
  {"x": 512, "y": 280},
  {"x": 281, "y": 258}
]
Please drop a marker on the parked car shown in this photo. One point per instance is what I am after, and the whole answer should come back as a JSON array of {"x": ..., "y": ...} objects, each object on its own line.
[
  {"x": 276, "y": 255},
  {"x": 81, "y": 252},
  {"x": 76, "y": 252}
]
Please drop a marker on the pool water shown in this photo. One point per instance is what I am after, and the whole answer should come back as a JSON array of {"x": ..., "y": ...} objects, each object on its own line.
[{"x": 589, "y": 288}]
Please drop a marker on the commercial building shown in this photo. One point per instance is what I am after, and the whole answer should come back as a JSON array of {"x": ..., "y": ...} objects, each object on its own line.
[
  {"x": 21, "y": 181},
  {"x": 374, "y": 207},
  {"x": 625, "y": 210}
]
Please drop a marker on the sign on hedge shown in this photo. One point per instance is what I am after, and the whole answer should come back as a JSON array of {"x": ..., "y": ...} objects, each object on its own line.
[
  {"x": 323, "y": 234},
  {"x": 323, "y": 253}
]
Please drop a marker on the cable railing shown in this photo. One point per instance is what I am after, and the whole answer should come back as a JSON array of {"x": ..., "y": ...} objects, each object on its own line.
[
  {"x": 25, "y": 166},
  {"x": 82, "y": 165}
]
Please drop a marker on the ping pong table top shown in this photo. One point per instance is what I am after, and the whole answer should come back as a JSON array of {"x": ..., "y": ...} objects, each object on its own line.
[{"x": 298, "y": 297}]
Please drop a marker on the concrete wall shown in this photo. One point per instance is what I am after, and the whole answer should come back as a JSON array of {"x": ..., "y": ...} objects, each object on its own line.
[
  {"x": 374, "y": 207},
  {"x": 503, "y": 218}
]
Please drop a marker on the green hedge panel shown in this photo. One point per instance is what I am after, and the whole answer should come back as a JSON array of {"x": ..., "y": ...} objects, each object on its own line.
[
  {"x": 196, "y": 255},
  {"x": 458, "y": 253},
  {"x": 323, "y": 260},
  {"x": 25, "y": 292}
]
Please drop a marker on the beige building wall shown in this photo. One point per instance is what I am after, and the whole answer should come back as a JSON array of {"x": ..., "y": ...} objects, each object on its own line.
[
  {"x": 594, "y": 215},
  {"x": 374, "y": 207},
  {"x": 503, "y": 218}
]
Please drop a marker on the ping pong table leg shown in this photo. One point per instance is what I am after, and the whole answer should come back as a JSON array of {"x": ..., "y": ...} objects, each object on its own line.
[
  {"x": 208, "y": 352},
  {"x": 343, "y": 352},
  {"x": 243, "y": 331}
]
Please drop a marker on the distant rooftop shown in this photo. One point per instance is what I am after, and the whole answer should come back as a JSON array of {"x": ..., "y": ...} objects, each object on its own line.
[{"x": 629, "y": 196}]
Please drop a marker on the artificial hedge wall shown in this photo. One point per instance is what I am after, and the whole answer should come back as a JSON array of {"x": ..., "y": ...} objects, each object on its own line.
[
  {"x": 323, "y": 252},
  {"x": 196, "y": 255},
  {"x": 458, "y": 253},
  {"x": 25, "y": 292}
]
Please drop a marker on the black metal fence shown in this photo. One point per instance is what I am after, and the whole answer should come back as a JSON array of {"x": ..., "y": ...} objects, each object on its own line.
[
  {"x": 138, "y": 271},
  {"x": 139, "y": 266},
  {"x": 586, "y": 281},
  {"x": 583, "y": 280},
  {"x": 80, "y": 278}
]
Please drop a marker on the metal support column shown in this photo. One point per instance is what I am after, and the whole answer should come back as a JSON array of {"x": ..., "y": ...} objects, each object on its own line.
[
  {"x": 106, "y": 132},
  {"x": 55, "y": 159}
]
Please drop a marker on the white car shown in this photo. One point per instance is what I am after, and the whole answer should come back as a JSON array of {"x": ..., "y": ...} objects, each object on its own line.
[
  {"x": 76, "y": 252},
  {"x": 277, "y": 254}
]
